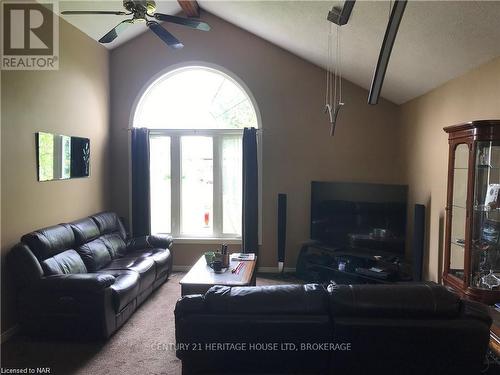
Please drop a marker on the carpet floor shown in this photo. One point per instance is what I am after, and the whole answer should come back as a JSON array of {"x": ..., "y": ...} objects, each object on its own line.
[{"x": 144, "y": 345}]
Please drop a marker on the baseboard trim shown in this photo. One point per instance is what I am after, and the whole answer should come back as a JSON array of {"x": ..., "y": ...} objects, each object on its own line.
[
  {"x": 259, "y": 270},
  {"x": 8, "y": 334}
]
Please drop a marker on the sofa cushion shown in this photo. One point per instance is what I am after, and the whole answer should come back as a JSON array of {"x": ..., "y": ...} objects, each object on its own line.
[
  {"x": 94, "y": 254},
  {"x": 49, "y": 241},
  {"x": 161, "y": 257},
  {"x": 85, "y": 230},
  {"x": 70, "y": 284},
  {"x": 64, "y": 263},
  {"x": 393, "y": 301},
  {"x": 109, "y": 222},
  {"x": 115, "y": 244},
  {"x": 275, "y": 299},
  {"x": 162, "y": 241},
  {"x": 125, "y": 288},
  {"x": 143, "y": 265}
]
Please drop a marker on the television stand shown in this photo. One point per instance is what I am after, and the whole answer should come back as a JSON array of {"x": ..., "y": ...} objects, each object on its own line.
[{"x": 320, "y": 263}]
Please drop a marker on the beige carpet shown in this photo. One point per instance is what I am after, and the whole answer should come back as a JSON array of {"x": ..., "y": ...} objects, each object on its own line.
[{"x": 142, "y": 346}]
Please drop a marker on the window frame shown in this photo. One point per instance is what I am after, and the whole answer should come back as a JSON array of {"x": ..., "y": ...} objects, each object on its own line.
[
  {"x": 170, "y": 71},
  {"x": 176, "y": 187}
]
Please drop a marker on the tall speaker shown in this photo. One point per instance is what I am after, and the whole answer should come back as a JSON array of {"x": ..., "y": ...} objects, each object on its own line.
[
  {"x": 418, "y": 241},
  {"x": 281, "y": 230}
]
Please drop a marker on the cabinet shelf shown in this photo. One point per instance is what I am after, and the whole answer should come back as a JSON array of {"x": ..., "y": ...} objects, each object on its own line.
[
  {"x": 479, "y": 167},
  {"x": 353, "y": 275},
  {"x": 486, "y": 166},
  {"x": 317, "y": 262},
  {"x": 474, "y": 154},
  {"x": 483, "y": 208}
]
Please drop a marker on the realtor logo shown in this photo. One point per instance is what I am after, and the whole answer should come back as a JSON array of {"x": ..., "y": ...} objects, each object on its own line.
[{"x": 30, "y": 36}]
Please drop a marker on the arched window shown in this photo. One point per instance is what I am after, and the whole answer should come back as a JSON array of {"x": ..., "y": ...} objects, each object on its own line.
[{"x": 196, "y": 117}]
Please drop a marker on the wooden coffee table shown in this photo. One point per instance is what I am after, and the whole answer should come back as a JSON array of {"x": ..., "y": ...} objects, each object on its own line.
[{"x": 201, "y": 277}]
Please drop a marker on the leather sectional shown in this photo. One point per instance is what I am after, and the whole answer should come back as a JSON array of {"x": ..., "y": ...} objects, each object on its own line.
[
  {"x": 84, "y": 279},
  {"x": 346, "y": 329}
]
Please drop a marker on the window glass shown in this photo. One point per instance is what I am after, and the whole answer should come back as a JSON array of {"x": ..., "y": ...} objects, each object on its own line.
[
  {"x": 195, "y": 98},
  {"x": 197, "y": 186},
  {"x": 231, "y": 185}
]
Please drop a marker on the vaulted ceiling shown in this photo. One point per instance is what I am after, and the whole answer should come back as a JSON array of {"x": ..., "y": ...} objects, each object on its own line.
[{"x": 437, "y": 40}]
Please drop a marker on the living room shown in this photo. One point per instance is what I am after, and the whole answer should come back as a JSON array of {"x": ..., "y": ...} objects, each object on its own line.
[{"x": 444, "y": 70}]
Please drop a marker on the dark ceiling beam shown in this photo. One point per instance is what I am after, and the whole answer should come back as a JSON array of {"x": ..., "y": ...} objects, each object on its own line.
[
  {"x": 398, "y": 10},
  {"x": 341, "y": 16},
  {"x": 190, "y": 7}
]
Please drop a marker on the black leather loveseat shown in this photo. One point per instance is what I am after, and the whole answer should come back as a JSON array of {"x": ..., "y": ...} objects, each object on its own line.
[
  {"x": 356, "y": 329},
  {"x": 85, "y": 279}
]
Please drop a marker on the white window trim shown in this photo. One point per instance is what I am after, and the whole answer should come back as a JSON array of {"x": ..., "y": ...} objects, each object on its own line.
[{"x": 176, "y": 194}]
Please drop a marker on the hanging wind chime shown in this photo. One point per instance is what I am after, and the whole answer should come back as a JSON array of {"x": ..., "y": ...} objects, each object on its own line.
[{"x": 333, "y": 95}]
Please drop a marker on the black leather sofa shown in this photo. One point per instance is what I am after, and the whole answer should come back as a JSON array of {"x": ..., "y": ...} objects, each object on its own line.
[
  {"x": 83, "y": 280},
  {"x": 348, "y": 329}
]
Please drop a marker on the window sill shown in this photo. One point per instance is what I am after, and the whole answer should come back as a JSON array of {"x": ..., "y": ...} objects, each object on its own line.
[{"x": 206, "y": 241}]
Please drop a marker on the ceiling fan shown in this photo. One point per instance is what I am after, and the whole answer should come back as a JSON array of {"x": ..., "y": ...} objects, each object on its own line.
[{"x": 144, "y": 11}]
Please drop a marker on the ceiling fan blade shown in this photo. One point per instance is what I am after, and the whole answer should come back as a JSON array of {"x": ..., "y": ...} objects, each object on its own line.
[
  {"x": 164, "y": 35},
  {"x": 77, "y": 12},
  {"x": 194, "y": 24},
  {"x": 113, "y": 33}
]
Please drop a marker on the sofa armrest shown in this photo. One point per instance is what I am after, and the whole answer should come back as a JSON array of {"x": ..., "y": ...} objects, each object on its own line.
[
  {"x": 81, "y": 282},
  {"x": 189, "y": 304},
  {"x": 476, "y": 310},
  {"x": 162, "y": 241}
]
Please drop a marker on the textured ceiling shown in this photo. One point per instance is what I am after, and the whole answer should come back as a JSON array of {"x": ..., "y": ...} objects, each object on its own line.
[{"x": 437, "y": 40}]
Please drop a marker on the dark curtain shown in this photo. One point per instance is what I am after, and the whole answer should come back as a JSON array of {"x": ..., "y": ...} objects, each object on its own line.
[
  {"x": 250, "y": 226},
  {"x": 141, "y": 215}
]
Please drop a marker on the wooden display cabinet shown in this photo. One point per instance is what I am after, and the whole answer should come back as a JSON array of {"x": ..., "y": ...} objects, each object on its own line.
[{"x": 472, "y": 247}]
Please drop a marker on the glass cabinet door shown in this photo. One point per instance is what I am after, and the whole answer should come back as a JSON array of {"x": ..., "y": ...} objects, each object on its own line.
[
  {"x": 459, "y": 211},
  {"x": 485, "y": 249}
]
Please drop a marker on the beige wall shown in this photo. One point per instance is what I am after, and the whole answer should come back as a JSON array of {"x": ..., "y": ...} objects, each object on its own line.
[
  {"x": 473, "y": 96},
  {"x": 73, "y": 101},
  {"x": 296, "y": 144}
]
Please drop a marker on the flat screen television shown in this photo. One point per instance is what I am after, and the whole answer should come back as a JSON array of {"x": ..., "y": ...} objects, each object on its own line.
[{"x": 359, "y": 216}]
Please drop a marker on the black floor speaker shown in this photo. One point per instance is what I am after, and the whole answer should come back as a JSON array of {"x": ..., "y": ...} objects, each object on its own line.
[
  {"x": 418, "y": 241},
  {"x": 281, "y": 230}
]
